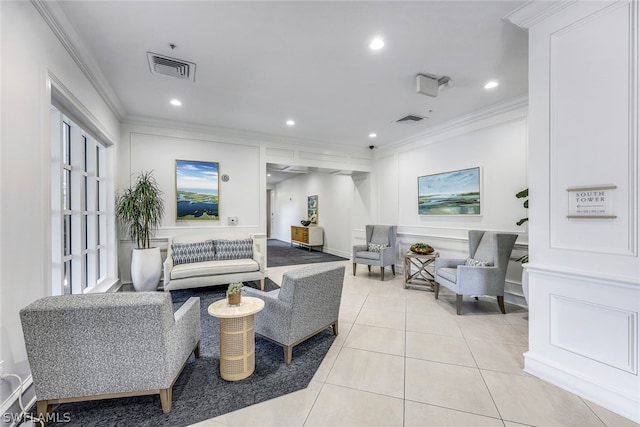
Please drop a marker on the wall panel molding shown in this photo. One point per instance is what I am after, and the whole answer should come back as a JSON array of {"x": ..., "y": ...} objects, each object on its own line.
[{"x": 611, "y": 332}]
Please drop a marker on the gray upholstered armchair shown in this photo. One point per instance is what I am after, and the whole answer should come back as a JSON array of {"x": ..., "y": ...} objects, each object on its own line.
[
  {"x": 307, "y": 303},
  {"x": 100, "y": 346},
  {"x": 380, "y": 249},
  {"x": 482, "y": 273}
]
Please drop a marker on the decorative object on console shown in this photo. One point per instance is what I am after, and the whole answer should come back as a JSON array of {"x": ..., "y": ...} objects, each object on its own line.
[
  {"x": 234, "y": 293},
  {"x": 450, "y": 193},
  {"x": 197, "y": 191},
  {"x": 421, "y": 248},
  {"x": 305, "y": 222},
  {"x": 312, "y": 209},
  {"x": 139, "y": 210}
]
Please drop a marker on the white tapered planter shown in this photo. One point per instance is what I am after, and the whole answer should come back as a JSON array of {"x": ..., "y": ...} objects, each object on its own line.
[{"x": 146, "y": 266}]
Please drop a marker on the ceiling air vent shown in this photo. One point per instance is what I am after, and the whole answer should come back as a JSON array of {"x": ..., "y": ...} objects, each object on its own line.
[
  {"x": 411, "y": 118},
  {"x": 171, "y": 67}
]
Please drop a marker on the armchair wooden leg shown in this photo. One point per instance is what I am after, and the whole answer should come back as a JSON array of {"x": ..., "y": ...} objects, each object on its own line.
[
  {"x": 501, "y": 303},
  {"x": 393, "y": 269},
  {"x": 335, "y": 328},
  {"x": 382, "y": 273},
  {"x": 288, "y": 354},
  {"x": 354, "y": 268},
  {"x": 369, "y": 268},
  {"x": 436, "y": 289},
  {"x": 166, "y": 395},
  {"x": 196, "y": 351},
  {"x": 458, "y": 304},
  {"x": 262, "y": 284},
  {"x": 44, "y": 408}
]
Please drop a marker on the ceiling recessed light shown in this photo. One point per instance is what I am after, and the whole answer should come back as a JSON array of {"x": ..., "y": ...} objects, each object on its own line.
[
  {"x": 268, "y": 174},
  {"x": 491, "y": 84},
  {"x": 372, "y": 135},
  {"x": 175, "y": 102},
  {"x": 290, "y": 122},
  {"x": 376, "y": 44}
]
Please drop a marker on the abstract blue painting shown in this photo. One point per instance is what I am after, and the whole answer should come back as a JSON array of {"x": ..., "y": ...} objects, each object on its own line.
[{"x": 450, "y": 193}]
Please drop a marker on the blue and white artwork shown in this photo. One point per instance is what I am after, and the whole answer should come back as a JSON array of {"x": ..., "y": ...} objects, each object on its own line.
[
  {"x": 197, "y": 191},
  {"x": 450, "y": 193}
]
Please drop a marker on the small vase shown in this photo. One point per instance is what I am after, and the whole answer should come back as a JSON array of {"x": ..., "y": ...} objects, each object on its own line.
[{"x": 234, "y": 299}]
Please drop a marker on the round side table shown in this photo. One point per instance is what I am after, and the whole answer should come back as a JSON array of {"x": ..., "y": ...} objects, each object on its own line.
[{"x": 237, "y": 336}]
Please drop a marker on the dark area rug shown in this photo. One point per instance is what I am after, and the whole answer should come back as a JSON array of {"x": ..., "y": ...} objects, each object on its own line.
[
  {"x": 200, "y": 393},
  {"x": 281, "y": 253}
]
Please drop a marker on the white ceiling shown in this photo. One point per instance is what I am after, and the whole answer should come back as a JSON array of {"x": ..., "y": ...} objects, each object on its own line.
[{"x": 261, "y": 63}]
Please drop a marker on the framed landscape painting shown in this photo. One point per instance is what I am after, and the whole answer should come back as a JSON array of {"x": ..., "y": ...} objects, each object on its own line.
[
  {"x": 197, "y": 191},
  {"x": 450, "y": 193},
  {"x": 312, "y": 209}
]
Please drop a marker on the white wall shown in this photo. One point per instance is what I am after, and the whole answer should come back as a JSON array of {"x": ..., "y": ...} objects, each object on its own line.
[
  {"x": 31, "y": 54},
  {"x": 154, "y": 148},
  {"x": 498, "y": 145},
  {"x": 585, "y": 273},
  {"x": 335, "y": 206}
]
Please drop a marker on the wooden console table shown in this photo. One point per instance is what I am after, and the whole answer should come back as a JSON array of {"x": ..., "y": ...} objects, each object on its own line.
[{"x": 307, "y": 236}]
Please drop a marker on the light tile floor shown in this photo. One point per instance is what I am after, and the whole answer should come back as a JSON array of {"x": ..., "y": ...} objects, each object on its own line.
[{"x": 404, "y": 359}]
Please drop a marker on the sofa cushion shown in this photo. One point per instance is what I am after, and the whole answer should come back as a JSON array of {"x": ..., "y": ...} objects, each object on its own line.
[
  {"x": 192, "y": 252},
  {"x": 233, "y": 249},
  {"x": 212, "y": 268},
  {"x": 368, "y": 255}
]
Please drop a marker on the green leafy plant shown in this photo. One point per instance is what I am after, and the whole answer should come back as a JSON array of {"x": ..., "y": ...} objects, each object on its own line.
[
  {"x": 524, "y": 194},
  {"x": 139, "y": 209},
  {"x": 235, "y": 288}
]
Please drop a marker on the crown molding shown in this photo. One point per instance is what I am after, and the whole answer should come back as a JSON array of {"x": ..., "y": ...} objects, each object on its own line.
[
  {"x": 535, "y": 11},
  {"x": 57, "y": 21},
  {"x": 468, "y": 119},
  {"x": 239, "y": 136}
]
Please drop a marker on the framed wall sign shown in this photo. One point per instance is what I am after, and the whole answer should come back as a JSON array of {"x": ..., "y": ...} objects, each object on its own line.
[
  {"x": 197, "y": 191},
  {"x": 450, "y": 193},
  {"x": 312, "y": 209},
  {"x": 591, "y": 202}
]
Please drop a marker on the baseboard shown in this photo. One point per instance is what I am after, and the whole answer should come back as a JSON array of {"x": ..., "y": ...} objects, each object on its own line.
[{"x": 577, "y": 383}]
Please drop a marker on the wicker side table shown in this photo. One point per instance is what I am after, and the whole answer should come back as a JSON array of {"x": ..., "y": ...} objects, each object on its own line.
[{"x": 237, "y": 336}]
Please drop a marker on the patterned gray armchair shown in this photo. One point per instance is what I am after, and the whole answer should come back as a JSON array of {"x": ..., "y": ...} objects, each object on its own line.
[
  {"x": 307, "y": 303},
  {"x": 380, "y": 249},
  {"x": 100, "y": 346},
  {"x": 482, "y": 273}
]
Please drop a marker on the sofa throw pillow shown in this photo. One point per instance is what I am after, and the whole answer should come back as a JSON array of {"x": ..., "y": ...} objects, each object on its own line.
[
  {"x": 233, "y": 249},
  {"x": 477, "y": 263},
  {"x": 376, "y": 247},
  {"x": 184, "y": 253}
]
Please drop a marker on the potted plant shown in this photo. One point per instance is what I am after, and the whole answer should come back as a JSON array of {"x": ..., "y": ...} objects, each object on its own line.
[
  {"x": 234, "y": 293},
  {"x": 524, "y": 194},
  {"x": 139, "y": 210}
]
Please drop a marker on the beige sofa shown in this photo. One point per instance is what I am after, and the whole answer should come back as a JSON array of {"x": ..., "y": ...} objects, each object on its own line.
[{"x": 214, "y": 258}]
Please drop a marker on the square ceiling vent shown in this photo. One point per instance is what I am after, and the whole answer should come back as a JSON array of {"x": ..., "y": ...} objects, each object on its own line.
[{"x": 171, "y": 67}]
